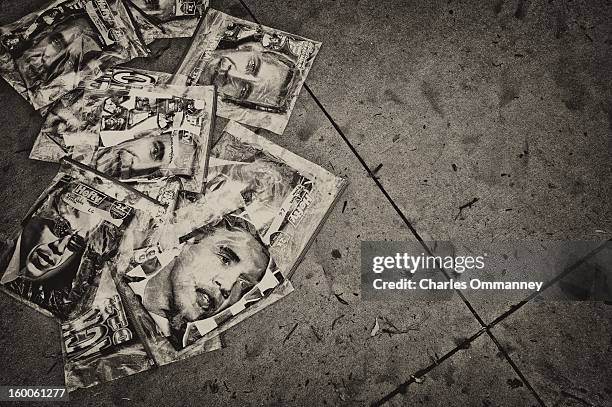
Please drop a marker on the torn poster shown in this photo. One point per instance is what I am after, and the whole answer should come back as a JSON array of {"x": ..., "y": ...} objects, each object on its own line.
[
  {"x": 101, "y": 344},
  {"x": 166, "y": 10},
  {"x": 259, "y": 71},
  {"x": 48, "y": 52},
  {"x": 134, "y": 131},
  {"x": 67, "y": 238},
  {"x": 262, "y": 208},
  {"x": 61, "y": 264},
  {"x": 148, "y": 134},
  {"x": 64, "y": 116},
  {"x": 64, "y": 264}
]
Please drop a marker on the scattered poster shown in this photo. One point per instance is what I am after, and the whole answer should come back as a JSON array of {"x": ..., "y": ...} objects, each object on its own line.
[
  {"x": 258, "y": 71},
  {"x": 47, "y": 53}
]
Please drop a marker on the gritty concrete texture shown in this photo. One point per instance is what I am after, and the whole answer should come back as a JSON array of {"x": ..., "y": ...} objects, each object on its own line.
[
  {"x": 541, "y": 261},
  {"x": 500, "y": 108},
  {"x": 548, "y": 340},
  {"x": 477, "y": 375},
  {"x": 504, "y": 101}
]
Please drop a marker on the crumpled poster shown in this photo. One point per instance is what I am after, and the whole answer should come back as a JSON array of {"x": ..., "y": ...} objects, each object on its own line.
[
  {"x": 166, "y": 10},
  {"x": 47, "y": 53},
  {"x": 259, "y": 71},
  {"x": 61, "y": 264},
  {"x": 101, "y": 344},
  {"x": 146, "y": 134},
  {"x": 228, "y": 254},
  {"x": 70, "y": 233},
  {"x": 130, "y": 126},
  {"x": 65, "y": 114},
  {"x": 167, "y": 18}
]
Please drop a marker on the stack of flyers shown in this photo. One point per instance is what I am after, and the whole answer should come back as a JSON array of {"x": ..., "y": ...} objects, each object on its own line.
[{"x": 150, "y": 242}]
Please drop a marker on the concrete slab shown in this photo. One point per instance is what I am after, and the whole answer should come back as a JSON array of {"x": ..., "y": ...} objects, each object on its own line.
[
  {"x": 563, "y": 347},
  {"x": 507, "y": 102},
  {"x": 529, "y": 261},
  {"x": 498, "y": 108},
  {"x": 476, "y": 376},
  {"x": 30, "y": 342}
]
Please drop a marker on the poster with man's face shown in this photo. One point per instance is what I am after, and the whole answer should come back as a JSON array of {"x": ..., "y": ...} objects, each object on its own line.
[
  {"x": 47, "y": 53},
  {"x": 147, "y": 134},
  {"x": 227, "y": 255},
  {"x": 258, "y": 71},
  {"x": 64, "y": 127}
]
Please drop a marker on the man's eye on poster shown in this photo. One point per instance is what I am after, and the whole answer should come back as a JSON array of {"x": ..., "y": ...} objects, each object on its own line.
[{"x": 250, "y": 74}]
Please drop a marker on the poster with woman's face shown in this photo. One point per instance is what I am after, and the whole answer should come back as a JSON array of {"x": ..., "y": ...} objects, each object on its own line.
[
  {"x": 258, "y": 71},
  {"x": 73, "y": 229},
  {"x": 55, "y": 48},
  {"x": 62, "y": 264}
]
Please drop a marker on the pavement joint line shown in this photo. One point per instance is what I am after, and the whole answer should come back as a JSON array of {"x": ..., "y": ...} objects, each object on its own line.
[
  {"x": 515, "y": 368},
  {"x": 462, "y": 296},
  {"x": 516, "y": 307},
  {"x": 353, "y": 149},
  {"x": 388, "y": 197},
  {"x": 568, "y": 270},
  {"x": 365, "y": 166},
  {"x": 403, "y": 388}
]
